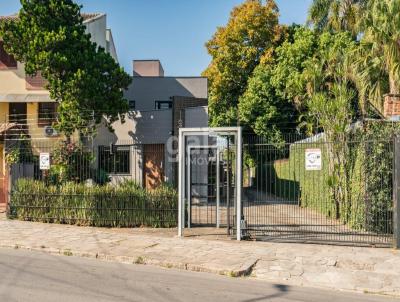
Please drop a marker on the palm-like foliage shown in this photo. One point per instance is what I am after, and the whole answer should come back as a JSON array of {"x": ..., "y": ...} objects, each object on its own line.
[
  {"x": 337, "y": 15},
  {"x": 377, "y": 60}
]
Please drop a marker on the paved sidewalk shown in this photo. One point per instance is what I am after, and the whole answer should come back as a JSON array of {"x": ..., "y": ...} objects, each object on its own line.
[{"x": 341, "y": 268}]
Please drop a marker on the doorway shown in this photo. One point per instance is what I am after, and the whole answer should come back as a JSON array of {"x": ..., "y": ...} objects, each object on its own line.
[{"x": 153, "y": 168}]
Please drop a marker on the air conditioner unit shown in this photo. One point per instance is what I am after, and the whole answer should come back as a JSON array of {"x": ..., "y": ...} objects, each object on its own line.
[{"x": 50, "y": 131}]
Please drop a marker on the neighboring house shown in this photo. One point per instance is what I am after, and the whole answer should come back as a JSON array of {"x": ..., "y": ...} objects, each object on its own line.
[
  {"x": 25, "y": 105},
  {"x": 145, "y": 143}
]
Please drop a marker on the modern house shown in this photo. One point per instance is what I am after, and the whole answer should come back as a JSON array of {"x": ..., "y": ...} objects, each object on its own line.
[
  {"x": 141, "y": 149},
  {"x": 25, "y": 104},
  {"x": 146, "y": 142}
]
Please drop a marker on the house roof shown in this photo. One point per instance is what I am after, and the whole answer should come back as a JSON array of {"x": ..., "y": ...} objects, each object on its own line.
[{"x": 87, "y": 17}]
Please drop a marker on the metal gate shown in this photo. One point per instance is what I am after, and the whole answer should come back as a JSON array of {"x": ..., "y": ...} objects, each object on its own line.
[
  {"x": 310, "y": 189},
  {"x": 210, "y": 178},
  {"x": 210, "y": 186}
]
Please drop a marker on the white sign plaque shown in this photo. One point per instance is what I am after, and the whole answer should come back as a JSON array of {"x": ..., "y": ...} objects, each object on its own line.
[
  {"x": 44, "y": 161},
  {"x": 313, "y": 159}
]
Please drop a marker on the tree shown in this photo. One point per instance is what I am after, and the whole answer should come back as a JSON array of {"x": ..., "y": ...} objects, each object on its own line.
[
  {"x": 49, "y": 37},
  {"x": 271, "y": 102},
  {"x": 337, "y": 15},
  {"x": 236, "y": 50},
  {"x": 377, "y": 60}
]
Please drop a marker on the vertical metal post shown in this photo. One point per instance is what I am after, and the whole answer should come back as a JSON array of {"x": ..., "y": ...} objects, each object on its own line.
[
  {"x": 239, "y": 184},
  {"x": 396, "y": 194},
  {"x": 228, "y": 187},
  {"x": 181, "y": 187},
  {"x": 218, "y": 191},
  {"x": 189, "y": 186}
]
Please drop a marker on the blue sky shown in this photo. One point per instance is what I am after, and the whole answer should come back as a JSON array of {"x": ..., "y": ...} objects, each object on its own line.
[{"x": 173, "y": 31}]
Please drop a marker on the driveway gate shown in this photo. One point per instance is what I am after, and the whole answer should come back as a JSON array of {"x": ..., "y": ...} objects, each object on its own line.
[{"x": 298, "y": 189}]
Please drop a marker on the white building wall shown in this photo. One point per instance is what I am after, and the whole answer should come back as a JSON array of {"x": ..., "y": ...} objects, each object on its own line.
[{"x": 97, "y": 27}]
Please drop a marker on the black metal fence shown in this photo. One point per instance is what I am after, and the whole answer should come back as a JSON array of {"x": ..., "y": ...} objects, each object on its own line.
[
  {"x": 85, "y": 184},
  {"x": 297, "y": 188},
  {"x": 313, "y": 189}
]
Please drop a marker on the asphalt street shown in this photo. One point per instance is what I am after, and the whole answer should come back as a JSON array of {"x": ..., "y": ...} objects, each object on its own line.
[{"x": 34, "y": 276}]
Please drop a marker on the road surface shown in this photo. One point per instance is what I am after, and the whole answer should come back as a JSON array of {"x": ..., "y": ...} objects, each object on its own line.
[{"x": 34, "y": 276}]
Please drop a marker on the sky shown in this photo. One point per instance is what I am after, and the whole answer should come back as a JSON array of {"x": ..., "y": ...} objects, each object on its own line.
[{"x": 173, "y": 31}]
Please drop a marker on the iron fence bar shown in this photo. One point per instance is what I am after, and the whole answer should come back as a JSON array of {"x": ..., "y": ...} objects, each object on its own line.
[{"x": 396, "y": 193}]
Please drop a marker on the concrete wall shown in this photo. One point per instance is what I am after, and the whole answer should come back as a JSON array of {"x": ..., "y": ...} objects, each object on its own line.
[
  {"x": 110, "y": 45},
  {"x": 96, "y": 27},
  {"x": 196, "y": 117},
  {"x": 151, "y": 127},
  {"x": 147, "y": 68},
  {"x": 3, "y": 112},
  {"x": 13, "y": 87},
  {"x": 146, "y": 90},
  {"x": 140, "y": 128}
]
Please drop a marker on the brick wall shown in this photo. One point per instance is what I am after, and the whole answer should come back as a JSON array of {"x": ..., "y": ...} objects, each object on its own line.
[{"x": 391, "y": 106}]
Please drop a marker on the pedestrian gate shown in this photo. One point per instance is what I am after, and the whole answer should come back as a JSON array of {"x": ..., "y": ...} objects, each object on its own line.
[{"x": 210, "y": 178}]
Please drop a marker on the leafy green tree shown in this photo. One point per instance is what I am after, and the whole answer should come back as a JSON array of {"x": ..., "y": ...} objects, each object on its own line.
[
  {"x": 332, "y": 106},
  {"x": 337, "y": 15},
  {"x": 49, "y": 37},
  {"x": 377, "y": 60},
  {"x": 271, "y": 101},
  {"x": 236, "y": 49}
]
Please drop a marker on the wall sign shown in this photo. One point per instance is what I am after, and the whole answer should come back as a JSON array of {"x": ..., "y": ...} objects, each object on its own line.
[
  {"x": 313, "y": 159},
  {"x": 44, "y": 161}
]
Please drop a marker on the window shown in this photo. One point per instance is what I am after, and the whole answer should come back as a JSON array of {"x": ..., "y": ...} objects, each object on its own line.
[
  {"x": 115, "y": 162},
  {"x": 160, "y": 105},
  {"x": 132, "y": 105},
  {"x": 6, "y": 60},
  {"x": 47, "y": 113}
]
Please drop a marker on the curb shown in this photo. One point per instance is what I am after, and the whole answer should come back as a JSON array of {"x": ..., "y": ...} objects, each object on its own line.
[{"x": 244, "y": 270}]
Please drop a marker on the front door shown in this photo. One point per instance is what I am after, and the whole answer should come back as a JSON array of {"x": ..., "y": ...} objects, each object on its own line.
[{"x": 153, "y": 170}]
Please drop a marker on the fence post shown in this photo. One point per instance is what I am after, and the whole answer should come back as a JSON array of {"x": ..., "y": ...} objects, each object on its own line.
[{"x": 396, "y": 193}]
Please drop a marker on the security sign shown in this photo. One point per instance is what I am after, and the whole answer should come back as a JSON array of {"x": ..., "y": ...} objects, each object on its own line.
[
  {"x": 313, "y": 159},
  {"x": 44, "y": 161}
]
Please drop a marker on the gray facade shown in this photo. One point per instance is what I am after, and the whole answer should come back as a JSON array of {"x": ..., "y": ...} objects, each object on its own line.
[
  {"x": 145, "y": 91},
  {"x": 147, "y": 125}
]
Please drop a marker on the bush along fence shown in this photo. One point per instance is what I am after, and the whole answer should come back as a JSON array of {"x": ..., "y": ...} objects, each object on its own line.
[
  {"x": 348, "y": 198},
  {"x": 124, "y": 205}
]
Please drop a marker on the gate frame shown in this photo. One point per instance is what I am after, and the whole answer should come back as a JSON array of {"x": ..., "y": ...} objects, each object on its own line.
[
  {"x": 189, "y": 179},
  {"x": 183, "y": 133}
]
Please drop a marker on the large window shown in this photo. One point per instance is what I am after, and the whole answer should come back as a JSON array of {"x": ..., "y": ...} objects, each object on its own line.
[
  {"x": 161, "y": 105},
  {"x": 6, "y": 60},
  {"x": 47, "y": 114},
  {"x": 114, "y": 160}
]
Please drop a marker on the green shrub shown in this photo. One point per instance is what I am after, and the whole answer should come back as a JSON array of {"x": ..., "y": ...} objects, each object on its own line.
[
  {"x": 367, "y": 181},
  {"x": 126, "y": 205}
]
